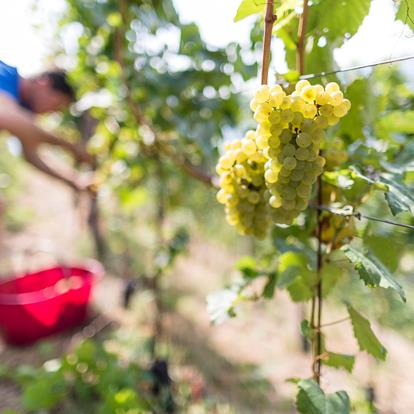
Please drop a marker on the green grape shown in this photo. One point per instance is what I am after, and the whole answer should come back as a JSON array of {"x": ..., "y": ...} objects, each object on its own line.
[
  {"x": 289, "y": 163},
  {"x": 274, "y": 152},
  {"x": 288, "y": 150},
  {"x": 303, "y": 190},
  {"x": 285, "y": 136},
  {"x": 273, "y": 142},
  {"x": 301, "y": 154},
  {"x": 303, "y": 140},
  {"x": 297, "y": 120},
  {"x": 270, "y": 176},
  {"x": 274, "y": 117}
]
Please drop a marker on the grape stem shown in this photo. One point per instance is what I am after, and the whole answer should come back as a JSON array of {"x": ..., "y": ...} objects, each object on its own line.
[{"x": 269, "y": 20}]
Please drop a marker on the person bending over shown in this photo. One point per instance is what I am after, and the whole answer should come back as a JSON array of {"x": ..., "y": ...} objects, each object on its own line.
[{"x": 20, "y": 100}]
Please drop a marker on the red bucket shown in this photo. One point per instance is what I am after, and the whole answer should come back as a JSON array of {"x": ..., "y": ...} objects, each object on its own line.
[{"x": 52, "y": 300}]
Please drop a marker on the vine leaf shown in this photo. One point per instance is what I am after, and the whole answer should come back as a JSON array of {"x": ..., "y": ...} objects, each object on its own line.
[
  {"x": 295, "y": 276},
  {"x": 353, "y": 124},
  {"x": 340, "y": 361},
  {"x": 312, "y": 400},
  {"x": 372, "y": 271},
  {"x": 249, "y": 7},
  {"x": 247, "y": 265},
  {"x": 366, "y": 338},
  {"x": 399, "y": 197},
  {"x": 337, "y": 19},
  {"x": 406, "y": 14},
  {"x": 397, "y": 121}
]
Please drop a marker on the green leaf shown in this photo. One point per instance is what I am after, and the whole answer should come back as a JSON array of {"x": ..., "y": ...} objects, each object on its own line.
[
  {"x": 295, "y": 276},
  {"x": 46, "y": 392},
  {"x": 306, "y": 329},
  {"x": 384, "y": 246},
  {"x": 337, "y": 19},
  {"x": 399, "y": 197},
  {"x": 405, "y": 13},
  {"x": 366, "y": 338},
  {"x": 340, "y": 361},
  {"x": 353, "y": 123},
  {"x": 312, "y": 400},
  {"x": 292, "y": 76},
  {"x": 249, "y": 7},
  {"x": 190, "y": 39},
  {"x": 372, "y": 271},
  {"x": 269, "y": 289},
  {"x": 338, "y": 403},
  {"x": 248, "y": 266},
  {"x": 397, "y": 121}
]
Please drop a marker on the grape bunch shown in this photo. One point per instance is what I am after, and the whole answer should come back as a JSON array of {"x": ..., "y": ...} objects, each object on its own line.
[
  {"x": 289, "y": 134},
  {"x": 242, "y": 186}
]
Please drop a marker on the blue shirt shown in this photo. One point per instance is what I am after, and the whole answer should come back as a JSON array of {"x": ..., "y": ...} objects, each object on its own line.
[{"x": 9, "y": 81}]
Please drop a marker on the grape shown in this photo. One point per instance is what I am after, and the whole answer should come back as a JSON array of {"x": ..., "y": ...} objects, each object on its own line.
[
  {"x": 301, "y": 84},
  {"x": 285, "y": 136},
  {"x": 275, "y": 201},
  {"x": 322, "y": 98},
  {"x": 303, "y": 140},
  {"x": 262, "y": 94},
  {"x": 249, "y": 147},
  {"x": 301, "y": 154},
  {"x": 288, "y": 150},
  {"x": 269, "y": 174},
  {"x": 337, "y": 98},
  {"x": 289, "y": 163},
  {"x": 332, "y": 87},
  {"x": 308, "y": 93},
  {"x": 242, "y": 182}
]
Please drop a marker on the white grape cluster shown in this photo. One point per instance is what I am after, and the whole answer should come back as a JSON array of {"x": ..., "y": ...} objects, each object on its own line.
[
  {"x": 243, "y": 188},
  {"x": 269, "y": 174},
  {"x": 289, "y": 133}
]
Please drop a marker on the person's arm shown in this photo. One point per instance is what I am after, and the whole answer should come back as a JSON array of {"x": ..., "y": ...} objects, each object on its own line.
[
  {"x": 31, "y": 155},
  {"x": 20, "y": 123},
  {"x": 77, "y": 150}
]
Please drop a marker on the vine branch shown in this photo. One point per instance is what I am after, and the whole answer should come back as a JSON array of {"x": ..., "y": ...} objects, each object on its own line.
[
  {"x": 300, "y": 51},
  {"x": 269, "y": 20}
]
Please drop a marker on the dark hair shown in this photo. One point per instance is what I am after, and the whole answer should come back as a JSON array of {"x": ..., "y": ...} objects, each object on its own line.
[{"x": 59, "y": 82}]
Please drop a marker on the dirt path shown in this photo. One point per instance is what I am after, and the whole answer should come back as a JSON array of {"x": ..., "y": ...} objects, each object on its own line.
[{"x": 243, "y": 360}]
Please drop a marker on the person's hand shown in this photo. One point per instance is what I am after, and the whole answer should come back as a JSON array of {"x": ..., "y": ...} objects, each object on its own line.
[
  {"x": 86, "y": 182},
  {"x": 83, "y": 155}
]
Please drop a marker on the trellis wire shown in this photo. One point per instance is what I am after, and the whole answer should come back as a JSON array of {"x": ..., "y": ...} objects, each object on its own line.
[
  {"x": 322, "y": 74},
  {"x": 359, "y": 216},
  {"x": 370, "y": 65}
]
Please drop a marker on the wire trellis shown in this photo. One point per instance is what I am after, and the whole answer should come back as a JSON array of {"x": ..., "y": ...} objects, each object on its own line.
[{"x": 348, "y": 211}]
